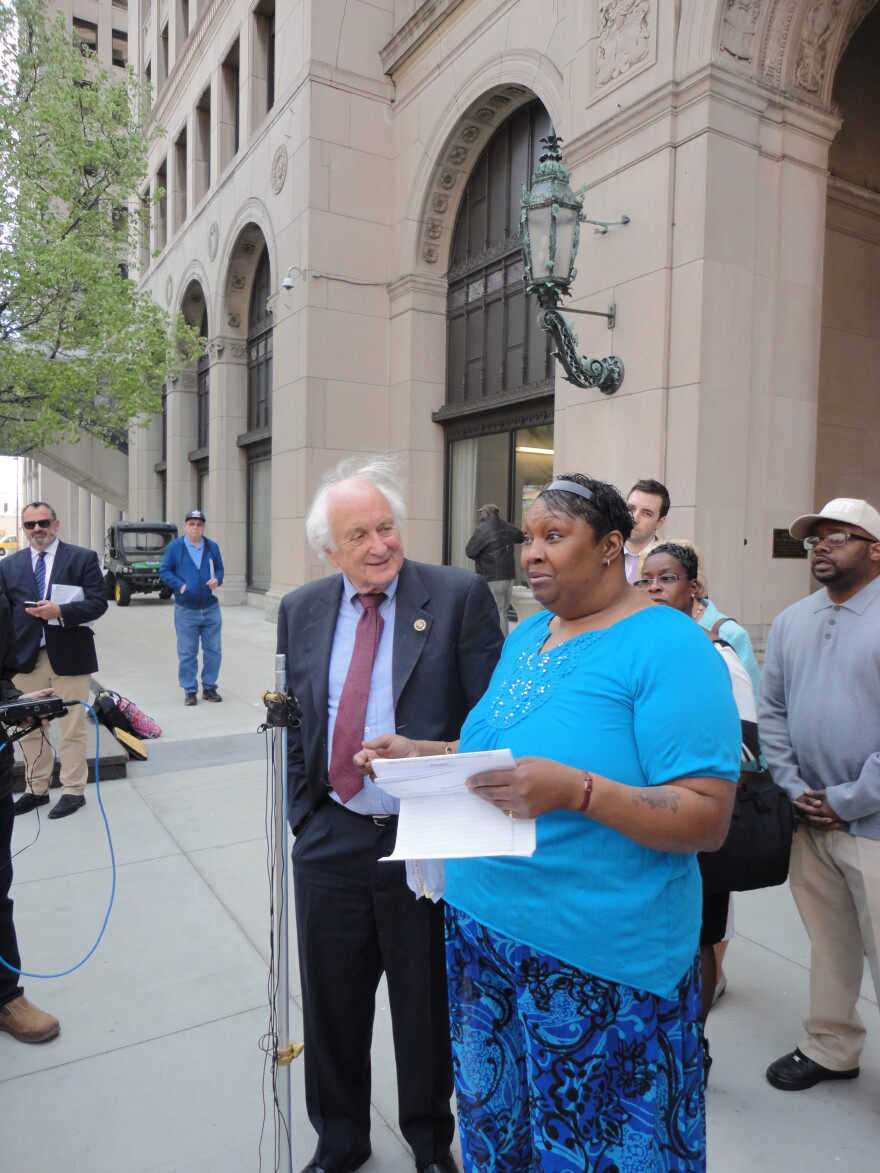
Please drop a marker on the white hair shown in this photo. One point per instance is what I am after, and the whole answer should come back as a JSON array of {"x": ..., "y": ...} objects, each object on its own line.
[{"x": 382, "y": 472}]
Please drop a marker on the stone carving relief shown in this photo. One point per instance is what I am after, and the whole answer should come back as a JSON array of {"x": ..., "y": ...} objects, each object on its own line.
[
  {"x": 213, "y": 240},
  {"x": 776, "y": 40},
  {"x": 169, "y": 290},
  {"x": 812, "y": 59},
  {"x": 624, "y": 37},
  {"x": 474, "y": 131},
  {"x": 739, "y": 23},
  {"x": 279, "y": 169}
]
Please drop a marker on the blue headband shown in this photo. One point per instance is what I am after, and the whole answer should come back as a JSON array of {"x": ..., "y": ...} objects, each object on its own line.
[{"x": 570, "y": 487}]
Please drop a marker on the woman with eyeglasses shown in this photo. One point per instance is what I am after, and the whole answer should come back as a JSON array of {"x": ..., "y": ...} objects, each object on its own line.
[
  {"x": 669, "y": 576},
  {"x": 573, "y": 973},
  {"x": 718, "y": 624}
]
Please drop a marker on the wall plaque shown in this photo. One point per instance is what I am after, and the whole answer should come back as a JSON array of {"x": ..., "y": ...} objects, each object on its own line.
[{"x": 785, "y": 546}]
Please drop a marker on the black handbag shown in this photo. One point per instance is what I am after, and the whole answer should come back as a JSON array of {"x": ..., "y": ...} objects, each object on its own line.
[{"x": 756, "y": 851}]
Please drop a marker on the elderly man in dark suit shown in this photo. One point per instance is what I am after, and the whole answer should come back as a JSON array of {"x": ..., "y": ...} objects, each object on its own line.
[
  {"x": 55, "y": 591},
  {"x": 388, "y": 644}
]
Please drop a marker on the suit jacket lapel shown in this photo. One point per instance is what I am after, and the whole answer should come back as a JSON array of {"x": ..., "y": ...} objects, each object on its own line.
[
  {"x": 317, "y": 644},
  {"x": 59, "y": 567},
  {"x": 412, "y": 626}
]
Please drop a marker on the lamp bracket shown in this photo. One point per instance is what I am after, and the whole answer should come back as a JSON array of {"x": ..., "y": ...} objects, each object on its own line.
[
  {"x": 610, "y": 314},
  {"x": 604, "y": 373},
  {"x": 602, "y": 226}
]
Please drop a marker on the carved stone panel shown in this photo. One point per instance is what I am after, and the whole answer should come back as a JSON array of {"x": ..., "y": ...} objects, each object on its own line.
[
  {"x": 812, "y": 59},
  {"x": 625, "y": 38},
  {"x": 738, "y": 28}
]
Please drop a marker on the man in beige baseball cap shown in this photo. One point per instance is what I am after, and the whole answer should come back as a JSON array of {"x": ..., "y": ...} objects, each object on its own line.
[
  {"x": 854, "y": 513},
  {"x": 817, "y": 719}
]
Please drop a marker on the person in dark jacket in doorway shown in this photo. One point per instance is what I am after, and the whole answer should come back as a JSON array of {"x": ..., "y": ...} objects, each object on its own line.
[{"x": 491, "y": 547}]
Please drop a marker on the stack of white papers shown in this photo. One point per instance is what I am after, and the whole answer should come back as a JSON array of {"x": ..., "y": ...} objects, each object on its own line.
[{"x": 440, "y": 818}]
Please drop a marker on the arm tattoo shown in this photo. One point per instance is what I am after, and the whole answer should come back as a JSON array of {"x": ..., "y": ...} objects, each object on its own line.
[{"x": 658, "y": 798}]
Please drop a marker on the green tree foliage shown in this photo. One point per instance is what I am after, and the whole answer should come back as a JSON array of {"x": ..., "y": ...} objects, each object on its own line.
[{"x": 80, "y": 347}]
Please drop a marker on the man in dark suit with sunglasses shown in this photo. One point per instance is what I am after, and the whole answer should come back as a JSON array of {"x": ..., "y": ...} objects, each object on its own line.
[{"x": 55, "y": 591}]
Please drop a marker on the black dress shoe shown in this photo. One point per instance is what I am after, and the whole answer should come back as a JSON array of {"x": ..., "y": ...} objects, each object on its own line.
[
  {"x": 314, "y": 1165},
  {"x": 443, "y": 1165},
  {"x": 66, "y": 805},
  {"x": 29, "y": 802},
  {"x": 211, "y": 694},
  {"x": 190, "y": 698},
  {"x": 796, "y": 1072}
]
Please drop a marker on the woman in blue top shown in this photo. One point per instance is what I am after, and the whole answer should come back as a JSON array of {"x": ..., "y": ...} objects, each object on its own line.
[{"x": 574, "y": 993}]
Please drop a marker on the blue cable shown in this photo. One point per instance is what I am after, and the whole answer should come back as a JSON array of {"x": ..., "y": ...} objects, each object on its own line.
[{"x": 65, "y": 972}]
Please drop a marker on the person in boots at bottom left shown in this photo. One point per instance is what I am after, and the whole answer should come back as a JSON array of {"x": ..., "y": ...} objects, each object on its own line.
[{"x": 18, "y": 1016}]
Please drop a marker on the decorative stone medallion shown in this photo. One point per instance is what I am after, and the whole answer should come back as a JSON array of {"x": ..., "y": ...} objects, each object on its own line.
[{"x": 279, "y": 169}]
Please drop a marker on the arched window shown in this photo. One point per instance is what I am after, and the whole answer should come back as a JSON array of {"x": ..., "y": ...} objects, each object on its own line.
[
  {"x": 260, "y": 350},
  {"x": 203, "y": 389},
  {"x": 258, "y": 439},
  {"x": 498, "y": 415}
]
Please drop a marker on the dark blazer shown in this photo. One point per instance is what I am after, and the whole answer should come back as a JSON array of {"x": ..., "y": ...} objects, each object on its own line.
[
  {"x": 447, "y": 640},
  {"x": 69, "y": 644}
]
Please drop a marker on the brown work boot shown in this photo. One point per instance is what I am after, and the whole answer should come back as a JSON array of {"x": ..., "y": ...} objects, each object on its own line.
[{"x": 27, "y": 1022}]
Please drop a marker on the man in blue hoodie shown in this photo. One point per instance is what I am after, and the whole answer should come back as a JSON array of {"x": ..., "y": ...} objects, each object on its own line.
[{"x": 193, "y": 568}]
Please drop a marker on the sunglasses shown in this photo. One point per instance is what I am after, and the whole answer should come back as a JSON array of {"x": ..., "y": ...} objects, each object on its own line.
[{"x": 42, "y": 522}]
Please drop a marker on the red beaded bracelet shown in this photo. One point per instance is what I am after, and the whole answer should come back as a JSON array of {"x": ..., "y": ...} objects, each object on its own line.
[{"x": 588, "y": 792}]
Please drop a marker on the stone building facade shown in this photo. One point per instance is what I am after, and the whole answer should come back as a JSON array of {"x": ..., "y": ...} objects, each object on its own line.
[{"x": 341, "y": 215}]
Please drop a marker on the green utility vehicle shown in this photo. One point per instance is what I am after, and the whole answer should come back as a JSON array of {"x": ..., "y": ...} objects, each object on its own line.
[{"x": 132, "y": 553}]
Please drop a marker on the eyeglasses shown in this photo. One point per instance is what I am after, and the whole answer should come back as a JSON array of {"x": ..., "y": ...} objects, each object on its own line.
[
  {"x": 663, "y": 579},
  {"x": 42, "y": 522},
  {"x": 840, "y": 539}
]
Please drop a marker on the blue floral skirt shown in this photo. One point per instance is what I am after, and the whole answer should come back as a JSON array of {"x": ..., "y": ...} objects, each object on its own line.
[{"x": 558, "y": 1071}]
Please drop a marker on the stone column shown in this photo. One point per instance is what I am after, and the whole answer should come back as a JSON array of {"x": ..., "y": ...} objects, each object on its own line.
[
  {"x": 226, "y": 507},
  {"x": 182, "y": 410},
  {"x": 99, "y": 531},
  {"x": 84, "y": 512}
]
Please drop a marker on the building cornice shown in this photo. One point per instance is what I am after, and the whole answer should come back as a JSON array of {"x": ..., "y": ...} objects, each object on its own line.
[
  {"x": 415, "y": 31},
  {"x": 679, "y": 103}
]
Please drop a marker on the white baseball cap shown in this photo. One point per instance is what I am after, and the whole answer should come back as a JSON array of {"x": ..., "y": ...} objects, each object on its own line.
[{"x": 850, "y": 510}]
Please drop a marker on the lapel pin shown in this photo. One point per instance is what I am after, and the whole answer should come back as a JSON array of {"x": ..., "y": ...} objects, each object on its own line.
[{"x": 420, "y": 625}]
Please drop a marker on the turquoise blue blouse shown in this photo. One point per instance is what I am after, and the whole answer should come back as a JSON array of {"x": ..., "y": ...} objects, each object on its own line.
[{"x": 645, "y": 701}]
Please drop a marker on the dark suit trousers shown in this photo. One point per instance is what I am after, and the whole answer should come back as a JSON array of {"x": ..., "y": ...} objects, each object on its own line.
[
  {"x": 9, "y": 982},
  {"x": 355, "y": 919}
]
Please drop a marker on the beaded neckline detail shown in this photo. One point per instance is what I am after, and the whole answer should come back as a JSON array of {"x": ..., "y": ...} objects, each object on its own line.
[{"x": 534, "y": 674}]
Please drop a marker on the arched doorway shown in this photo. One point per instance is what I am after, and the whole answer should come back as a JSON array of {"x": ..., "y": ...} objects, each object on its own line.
[{"x": 498, "y": 412}]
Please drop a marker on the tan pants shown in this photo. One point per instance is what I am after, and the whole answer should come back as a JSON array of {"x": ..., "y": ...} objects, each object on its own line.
[
  {"x": 502, "y": 590},
  {"x": 835, "y": 881},
  {"x": 39, "y": 757}
]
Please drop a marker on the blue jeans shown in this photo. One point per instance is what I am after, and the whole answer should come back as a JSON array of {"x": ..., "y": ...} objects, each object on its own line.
[{"x": 191, "y": 625}]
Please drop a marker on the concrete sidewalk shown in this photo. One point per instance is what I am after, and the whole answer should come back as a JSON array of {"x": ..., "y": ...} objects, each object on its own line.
[{"x": 159, "y": 1067}]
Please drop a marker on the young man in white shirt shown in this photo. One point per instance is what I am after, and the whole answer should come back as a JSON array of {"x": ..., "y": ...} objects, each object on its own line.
[{"x": 648, "y": 504}]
